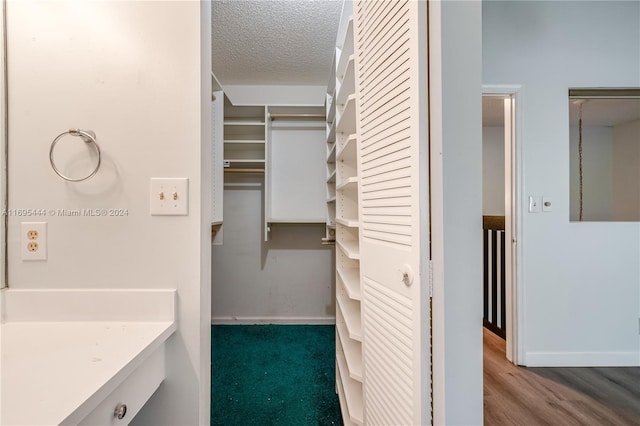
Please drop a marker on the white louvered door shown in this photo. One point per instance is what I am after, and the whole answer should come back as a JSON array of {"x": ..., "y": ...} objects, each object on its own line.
[{"x": 392, "y": 127}]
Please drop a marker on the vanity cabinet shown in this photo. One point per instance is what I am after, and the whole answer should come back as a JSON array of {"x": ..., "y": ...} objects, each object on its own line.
[{"x": 122, "y": 405}]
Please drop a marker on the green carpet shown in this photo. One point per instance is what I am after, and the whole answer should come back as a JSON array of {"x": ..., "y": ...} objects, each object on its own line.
[{"x": 273, "y": 375}]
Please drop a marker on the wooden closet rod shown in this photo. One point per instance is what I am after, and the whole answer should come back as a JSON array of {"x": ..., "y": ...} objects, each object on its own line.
[
  {"x": 244, "y": 170},
  {"x": 275, "y": 116}
]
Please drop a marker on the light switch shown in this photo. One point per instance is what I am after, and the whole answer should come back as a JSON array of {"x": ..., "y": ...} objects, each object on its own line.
[
  {"x": 169, "y": 196},
  {"x": 535, "y": 204},
  {"x": 547, "y": 204}
]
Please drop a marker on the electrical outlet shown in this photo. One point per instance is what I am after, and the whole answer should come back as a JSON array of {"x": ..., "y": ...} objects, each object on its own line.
[
  {"x": 169, "y": 196},
  {"x": 34, "y": 240}
]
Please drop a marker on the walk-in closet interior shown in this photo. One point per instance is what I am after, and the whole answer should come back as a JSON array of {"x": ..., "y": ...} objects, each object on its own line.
[{"x": 288, "y": 189}]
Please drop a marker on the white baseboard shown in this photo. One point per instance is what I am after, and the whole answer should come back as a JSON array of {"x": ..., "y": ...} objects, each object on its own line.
[
  {"x": 582, "y": 359},
  {"x": 274, "y": 320}
]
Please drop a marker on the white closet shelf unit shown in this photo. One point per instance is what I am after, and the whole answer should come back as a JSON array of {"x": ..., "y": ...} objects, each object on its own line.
[
  {"x": 350, "y": 391},
  {"x": 345, "y": 50},
  {"x": 352, "y": 350},
  {"x": 348, "y": 85},
  {"x": 350, "y": 278},
  {"x": 349, "y": 359},
  {"x": 280, "y": 150},
  {"x": 217, "y": 160},
  {"x": 347, "y": 152},
  {"x": 244, "y": 137},
  {"x": 331, "y": 134},
  {"x": 331, "y": 157},
  {"x": 331, "y": 149},
  {"x": 347, "y": 120},
  {"x": 350, "y": 311},
  {"x": 295, "y": 167}
]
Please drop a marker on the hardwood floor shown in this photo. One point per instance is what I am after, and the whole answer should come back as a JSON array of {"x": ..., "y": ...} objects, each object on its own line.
[{"x": 556, "y": 396}]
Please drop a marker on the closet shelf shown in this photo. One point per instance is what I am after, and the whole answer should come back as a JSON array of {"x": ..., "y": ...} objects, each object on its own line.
[
  {"x": 345, "y": 51},
  {"x": 351, "y": 279},
  {"x": 294, "y": 221},
  {"x": 350, "y": 248},
  {"x": 332, "y": 177},
  {"x": 346, "y": 394},
  {"x": 348, "y": 184},
  {"x": 243, "y": 163},
  {"x": 331, "y": 87},
  {"x": 347, "y": 120},
  {"x": 331, "y": 132},
  {"x": 352, "y": 350},
  {"x": 348, "y": 85},
  {"x": 243, "y": 141},
  {"x": 243, "y": 122},
  {"x": 247, "y": 170},
  {"x": 244, "y": 160},
  {"x": 347, "y": 152},
  {"x": 331, "y": 199},
  {"x": 331, "y": 113},
  {"x": 352, "y": 390},
  {"x": 350, "y": 310},
  {"x": 331, "y": 158},
  {"x": 349, "y": 223}
]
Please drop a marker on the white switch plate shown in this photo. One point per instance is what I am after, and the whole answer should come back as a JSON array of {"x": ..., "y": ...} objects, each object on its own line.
[
  {"x": 535, "y": 204},
  {"x": 33, "y": 240},
  {"x": 547, "y": 204},
  {"x": 169, "y": 196}
]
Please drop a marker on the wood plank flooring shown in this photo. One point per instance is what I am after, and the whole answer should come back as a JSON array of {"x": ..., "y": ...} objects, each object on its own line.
[{"x": 556, "y": 396}]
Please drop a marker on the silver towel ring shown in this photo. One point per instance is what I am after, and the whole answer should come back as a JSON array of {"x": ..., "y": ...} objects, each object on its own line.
[{"x": 89, "y": 137}]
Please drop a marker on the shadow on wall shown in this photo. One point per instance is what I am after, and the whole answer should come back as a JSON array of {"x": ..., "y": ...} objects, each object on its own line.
[{"x": 291, "y": 276}]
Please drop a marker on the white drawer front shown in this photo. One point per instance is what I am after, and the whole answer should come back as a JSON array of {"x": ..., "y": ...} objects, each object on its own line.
[{"x": 135, "y": 391}]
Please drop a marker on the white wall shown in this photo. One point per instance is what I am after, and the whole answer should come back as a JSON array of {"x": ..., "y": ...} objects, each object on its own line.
[
  {"x": 626, "y": 171},
  {"x": 284, "y": 95},
  {"x": 580, "y": 280},
  {"x": 289, "y": 279},
  {"x": 597, "y": 174},
  {"x": 493, "y": 171},
  {"x": 455, "y": 116},
  {"x": 133, "y": 73}
]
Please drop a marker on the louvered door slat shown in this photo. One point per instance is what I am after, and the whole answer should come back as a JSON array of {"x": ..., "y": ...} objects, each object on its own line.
[{"x": 383, "y": 17}]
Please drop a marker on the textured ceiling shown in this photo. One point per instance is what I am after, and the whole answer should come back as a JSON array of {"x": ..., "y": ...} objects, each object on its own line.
[{"x": 262, "y": 42}]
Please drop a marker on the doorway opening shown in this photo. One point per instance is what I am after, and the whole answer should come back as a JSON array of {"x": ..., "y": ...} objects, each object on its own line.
[{"x": 502, "y": 173}]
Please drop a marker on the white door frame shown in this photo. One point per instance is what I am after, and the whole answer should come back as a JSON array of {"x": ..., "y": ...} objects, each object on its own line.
[{"x": 514, "y": 193}]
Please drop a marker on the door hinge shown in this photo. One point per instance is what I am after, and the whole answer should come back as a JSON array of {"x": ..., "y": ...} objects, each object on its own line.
[{"x": 430, "y": 279}]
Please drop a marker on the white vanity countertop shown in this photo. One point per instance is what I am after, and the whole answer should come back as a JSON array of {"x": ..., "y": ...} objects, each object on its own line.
[
  {"x": 64, "y": 351},
  {"x": 57, "y": 372}
]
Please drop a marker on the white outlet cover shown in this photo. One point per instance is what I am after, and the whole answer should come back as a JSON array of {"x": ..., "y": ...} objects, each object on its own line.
[
  {"x": 40, "y": 240},
  {"x": 169, "y": 196}
]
